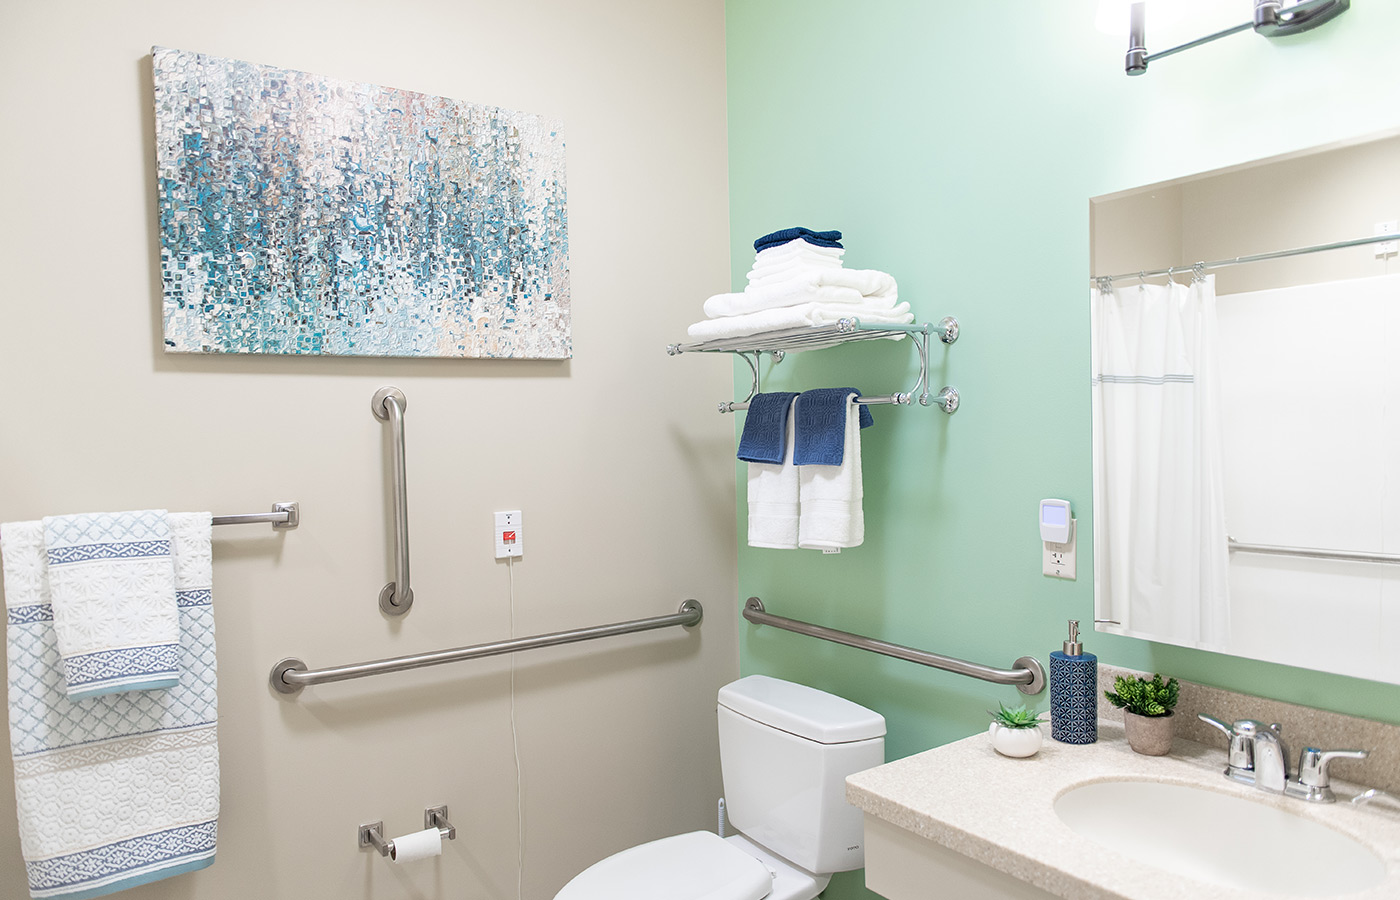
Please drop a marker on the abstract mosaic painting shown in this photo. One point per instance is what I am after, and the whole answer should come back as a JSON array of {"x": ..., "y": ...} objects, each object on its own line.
[{"x": 301, "y": 214}]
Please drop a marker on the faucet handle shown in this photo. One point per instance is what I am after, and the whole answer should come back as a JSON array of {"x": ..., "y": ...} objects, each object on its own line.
[
  {"x": 1372, "y": 795},
  {"x": 1312, "y": 765},
  {"x": 1212, "y": 720},
  {"x": 1241, "y": 735}
]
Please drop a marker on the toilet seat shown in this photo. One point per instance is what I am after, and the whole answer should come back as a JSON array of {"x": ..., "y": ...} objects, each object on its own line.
[{"x": 695, "y": 866}]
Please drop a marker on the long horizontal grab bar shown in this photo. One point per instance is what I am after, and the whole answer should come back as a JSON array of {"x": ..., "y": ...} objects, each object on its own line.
[
  {"x": 1028, "y": 675},
  {"x": 1313, "y": 553},
  {"x": 291, "y": 674},
  {"x": 283, "y": 516}
]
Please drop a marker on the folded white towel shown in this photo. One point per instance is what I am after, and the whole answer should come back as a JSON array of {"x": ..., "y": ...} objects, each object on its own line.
[
  {"x": 772, "y": 493},
  {"x": 122, "y": 789},
  {"x": 798, "y": 249},
  {"x": 833, "y": 514},
  {"x": 113, "y": 586},
  {"x": 802, "y": 315},
  {"x": 766, "y": 271},
  {"x": 748, "y": 301},
  {"x": 807, "y": 285}
]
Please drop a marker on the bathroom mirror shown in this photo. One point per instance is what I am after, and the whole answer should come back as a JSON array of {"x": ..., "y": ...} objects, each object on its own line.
[{"x": 1247, "y": 415}]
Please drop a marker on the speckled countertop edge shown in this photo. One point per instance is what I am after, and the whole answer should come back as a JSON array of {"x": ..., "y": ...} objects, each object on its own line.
[{"x": 1000, "y": 811}]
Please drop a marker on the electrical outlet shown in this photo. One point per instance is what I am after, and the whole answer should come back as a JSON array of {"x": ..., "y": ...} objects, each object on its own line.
[
  {"x": 1387, "y": 248},
  {"x": 1058, "y": 559},
  {"x": 509, "y": 534}
]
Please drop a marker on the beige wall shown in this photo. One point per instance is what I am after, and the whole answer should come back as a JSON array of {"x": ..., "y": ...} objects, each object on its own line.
[
  {"x": 1298, "y": 201},
  {"x": 623, "y": 471}
]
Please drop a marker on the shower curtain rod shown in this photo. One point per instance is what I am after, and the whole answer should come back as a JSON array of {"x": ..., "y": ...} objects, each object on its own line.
[{"x": 1258, "y": 257}]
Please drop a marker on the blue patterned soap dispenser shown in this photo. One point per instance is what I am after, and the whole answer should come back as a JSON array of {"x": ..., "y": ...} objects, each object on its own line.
[{"x": 1074, "y": 692}]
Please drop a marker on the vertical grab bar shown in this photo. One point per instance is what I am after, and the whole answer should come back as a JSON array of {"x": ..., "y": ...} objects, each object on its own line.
[{"x": 388, "y": 405}]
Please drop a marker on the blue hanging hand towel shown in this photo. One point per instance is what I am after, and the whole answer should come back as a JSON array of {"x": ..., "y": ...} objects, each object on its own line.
[
  {"x": 819, "y": 238},
  {"x": 820, "y": 429},
  {"x": 765, "y": 428}
]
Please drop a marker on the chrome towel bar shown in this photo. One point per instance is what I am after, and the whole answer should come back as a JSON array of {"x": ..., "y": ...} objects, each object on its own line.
[
  {"x": 284, "y": 517},
  {"x": 779, "y": 343},
  {"x": 291, "y": 674},
  {"x": 1028, "y": 675},
  {"x": 1312, "y": 552}
]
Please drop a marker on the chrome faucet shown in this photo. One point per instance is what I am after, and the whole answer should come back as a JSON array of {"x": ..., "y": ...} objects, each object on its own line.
[
  {"x": 1257, "y": 753},
  {"x": 1259, "y": 757}
]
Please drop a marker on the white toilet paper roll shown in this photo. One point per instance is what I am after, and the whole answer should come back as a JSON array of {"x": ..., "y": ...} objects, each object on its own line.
[{"x": 418, "y": 845}]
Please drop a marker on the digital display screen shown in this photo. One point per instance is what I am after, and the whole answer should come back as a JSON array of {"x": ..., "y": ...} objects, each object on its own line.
[{"x": 1054, "y": 515}]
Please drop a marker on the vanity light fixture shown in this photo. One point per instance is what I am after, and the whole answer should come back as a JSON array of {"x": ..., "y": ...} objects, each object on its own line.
[{"x": 1272, "y": 18}]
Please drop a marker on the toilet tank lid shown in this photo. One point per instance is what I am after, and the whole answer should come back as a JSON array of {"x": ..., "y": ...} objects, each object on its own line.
[{"x": 801, "y": 710}]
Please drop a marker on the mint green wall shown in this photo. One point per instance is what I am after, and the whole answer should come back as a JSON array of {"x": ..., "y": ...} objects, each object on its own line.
[{"x": 956, "y": 145}]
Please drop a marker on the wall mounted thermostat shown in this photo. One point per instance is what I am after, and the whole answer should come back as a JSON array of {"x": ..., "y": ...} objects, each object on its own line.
[{"x": 1054, "y": 521}]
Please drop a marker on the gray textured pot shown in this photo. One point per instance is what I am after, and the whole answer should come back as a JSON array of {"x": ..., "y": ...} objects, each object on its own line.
[{"x": 1148, "y": 735}]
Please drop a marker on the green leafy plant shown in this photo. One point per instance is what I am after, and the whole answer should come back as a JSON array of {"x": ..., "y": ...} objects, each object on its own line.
[
  {"x": 1015, "y": 717},
  {"x": 1143, "y": 697}
]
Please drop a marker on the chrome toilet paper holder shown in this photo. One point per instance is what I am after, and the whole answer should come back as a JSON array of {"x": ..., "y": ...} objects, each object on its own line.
[{"x": 372, "y": 834}]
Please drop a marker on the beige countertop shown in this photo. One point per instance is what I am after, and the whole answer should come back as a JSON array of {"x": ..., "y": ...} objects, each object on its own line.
[{"x": 1000, "y": 811}]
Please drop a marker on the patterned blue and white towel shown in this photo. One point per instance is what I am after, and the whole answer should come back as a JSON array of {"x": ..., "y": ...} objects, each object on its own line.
[
  {"x": 123, "y": 789},
  {"x": 113, "y": 588}
]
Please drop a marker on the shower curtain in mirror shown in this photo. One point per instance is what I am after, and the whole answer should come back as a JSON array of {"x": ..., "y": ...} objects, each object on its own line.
[{"x": 1161, "y": 561}]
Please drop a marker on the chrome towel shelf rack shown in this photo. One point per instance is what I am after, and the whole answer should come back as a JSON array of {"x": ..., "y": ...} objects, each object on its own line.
[
  {"x": 777, "y": 344},
  {"x": 291, "y": 674},
  {"x": 1028, "y": 675}
]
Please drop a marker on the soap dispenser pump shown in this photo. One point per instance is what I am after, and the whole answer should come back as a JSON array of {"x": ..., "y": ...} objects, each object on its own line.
[{"x": 1074, "y": 692}]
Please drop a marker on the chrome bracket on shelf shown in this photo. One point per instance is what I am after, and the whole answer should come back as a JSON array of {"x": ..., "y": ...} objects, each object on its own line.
[{"x": 778, "y": 343}]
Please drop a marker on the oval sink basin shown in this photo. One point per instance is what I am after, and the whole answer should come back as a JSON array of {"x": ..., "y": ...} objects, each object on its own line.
[{"x": 1220, "y": 838}]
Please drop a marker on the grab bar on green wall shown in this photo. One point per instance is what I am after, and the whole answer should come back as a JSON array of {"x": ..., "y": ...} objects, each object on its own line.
[{"x": 1028, "y": 675}]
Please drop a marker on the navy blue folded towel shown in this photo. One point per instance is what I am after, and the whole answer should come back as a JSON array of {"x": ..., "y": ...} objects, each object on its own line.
[
  {"x": 820, "y": 429},
  {"x": 765, "y": 428},
  {"x": 819, "y": 238}
]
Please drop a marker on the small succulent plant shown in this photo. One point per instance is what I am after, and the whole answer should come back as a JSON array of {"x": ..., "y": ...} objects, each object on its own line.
[
  {"x": 1143, "y": 697},
  {"x": 1015, "y": 716}
]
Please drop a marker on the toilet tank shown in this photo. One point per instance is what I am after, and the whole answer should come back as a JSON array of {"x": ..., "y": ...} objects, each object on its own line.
[{"x": 785, "y": 751}]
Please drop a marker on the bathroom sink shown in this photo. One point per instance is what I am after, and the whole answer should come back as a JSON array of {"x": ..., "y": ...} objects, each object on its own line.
[{"x": 1220, "y": 838}]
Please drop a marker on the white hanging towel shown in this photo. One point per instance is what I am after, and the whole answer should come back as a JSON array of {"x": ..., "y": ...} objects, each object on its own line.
[
  {"x": 122, "y": 789},
  {"x": 831, "y": 497},
  {"x": 113, "y": 589},
  {"x": 773, "y": 499}
]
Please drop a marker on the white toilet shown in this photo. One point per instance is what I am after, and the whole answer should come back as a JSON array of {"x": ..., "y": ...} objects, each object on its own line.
[{"x": 785, "y": 751}]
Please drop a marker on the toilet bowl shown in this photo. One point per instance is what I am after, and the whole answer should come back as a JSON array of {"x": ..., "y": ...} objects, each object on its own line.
[{"x": 785, "y": 752}]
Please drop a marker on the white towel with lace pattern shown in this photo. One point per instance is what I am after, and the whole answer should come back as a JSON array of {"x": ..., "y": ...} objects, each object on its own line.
[
  {"x": 113, "y": 587},
  {"x": 121, "y": 789}
]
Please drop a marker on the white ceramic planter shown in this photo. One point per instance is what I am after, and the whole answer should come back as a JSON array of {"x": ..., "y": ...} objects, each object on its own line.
[{"x": 1017, "y": 742}]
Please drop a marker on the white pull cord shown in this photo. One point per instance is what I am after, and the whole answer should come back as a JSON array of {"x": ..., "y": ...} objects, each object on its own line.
[{"x": 515, "y": 747}]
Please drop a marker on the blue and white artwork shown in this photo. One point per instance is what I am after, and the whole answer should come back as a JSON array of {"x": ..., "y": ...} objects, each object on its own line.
[{"x": 306, "y": 215}]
